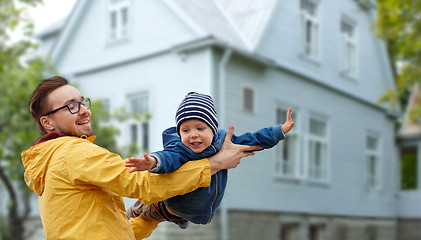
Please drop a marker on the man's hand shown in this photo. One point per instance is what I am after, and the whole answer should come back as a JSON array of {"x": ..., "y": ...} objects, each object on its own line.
[
  {"x": 230, "y": 154},
  {"x": 141, "y": 164},
  {"x": 286, "y": 127}
]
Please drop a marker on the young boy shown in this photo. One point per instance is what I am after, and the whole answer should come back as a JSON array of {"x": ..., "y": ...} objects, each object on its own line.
[{"x": 196, "y": 125}]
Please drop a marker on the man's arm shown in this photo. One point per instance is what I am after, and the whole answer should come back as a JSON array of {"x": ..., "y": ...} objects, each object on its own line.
[
  {"x": 103, "y": 169},
  {"x": 142, "y": 228},
  {"x": 230, "y": 154}
]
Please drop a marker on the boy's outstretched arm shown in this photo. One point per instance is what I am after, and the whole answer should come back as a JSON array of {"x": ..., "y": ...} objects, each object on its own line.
[
  {"x": 141, "y": 164},
  {"x": 230, "y": 154},
  {"x": 286, "y": 127}
]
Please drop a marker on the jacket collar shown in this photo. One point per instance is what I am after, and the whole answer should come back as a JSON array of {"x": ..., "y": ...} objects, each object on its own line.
[{"x": 55, "y": 135}]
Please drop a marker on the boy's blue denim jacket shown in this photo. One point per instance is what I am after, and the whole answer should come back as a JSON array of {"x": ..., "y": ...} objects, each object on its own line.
[{"x": 200, "y": 205}]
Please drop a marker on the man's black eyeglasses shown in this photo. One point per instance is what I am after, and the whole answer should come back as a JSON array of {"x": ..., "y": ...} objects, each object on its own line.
[{"x": 73, "y": 107}]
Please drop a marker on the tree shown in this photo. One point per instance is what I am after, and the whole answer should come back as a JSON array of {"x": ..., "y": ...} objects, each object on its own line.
[
  {"x": 398, "y": 23},
  {"x": 18, "y": 79}
]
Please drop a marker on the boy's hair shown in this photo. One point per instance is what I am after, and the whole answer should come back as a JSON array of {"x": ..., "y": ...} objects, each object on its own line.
[
  {"x": 197, "y": 106},
  {"x": 37, "y": 105}
]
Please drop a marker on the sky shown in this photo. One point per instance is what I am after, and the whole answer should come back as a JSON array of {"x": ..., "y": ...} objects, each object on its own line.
[{"x": 49, "y": 12}]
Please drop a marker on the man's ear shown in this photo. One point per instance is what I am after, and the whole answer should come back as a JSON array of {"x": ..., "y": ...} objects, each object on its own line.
[{"x": 46, "y": 123}]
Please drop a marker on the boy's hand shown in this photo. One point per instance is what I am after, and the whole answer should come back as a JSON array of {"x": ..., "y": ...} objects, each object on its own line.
[
  {"x": 286, "y": 127},
  {"x": 141, "y": 164}
]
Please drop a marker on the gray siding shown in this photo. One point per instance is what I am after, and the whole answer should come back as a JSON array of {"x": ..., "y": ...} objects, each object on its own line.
[
  {"x": 170, "y": 53},
  {"x": 254, "y": 186},
  {"x": 151, "y": 31},
  {"x": 281, "y": 43}
]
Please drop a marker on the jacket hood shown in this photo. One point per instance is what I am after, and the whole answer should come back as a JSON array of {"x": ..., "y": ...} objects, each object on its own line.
[{"x": 37, "y": 158}]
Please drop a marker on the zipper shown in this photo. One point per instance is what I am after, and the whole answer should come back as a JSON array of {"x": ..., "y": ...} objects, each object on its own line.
[
  {"x": 216, "y": 195},
  {"x": 216, "y": 190},
  {"x": 214, "y": 148}
]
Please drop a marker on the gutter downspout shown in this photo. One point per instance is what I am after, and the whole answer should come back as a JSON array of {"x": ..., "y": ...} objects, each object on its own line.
[{"x": 222, "y": 120}]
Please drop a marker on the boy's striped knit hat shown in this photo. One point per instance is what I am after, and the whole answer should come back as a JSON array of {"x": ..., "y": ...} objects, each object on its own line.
[{"x": 197, "y": 106}]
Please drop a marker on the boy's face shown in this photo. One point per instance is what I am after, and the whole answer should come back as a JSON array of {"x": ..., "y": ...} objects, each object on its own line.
[{"x": 196, "y": 135}]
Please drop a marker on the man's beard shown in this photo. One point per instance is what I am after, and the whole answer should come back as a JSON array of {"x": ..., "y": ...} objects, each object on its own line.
[{"x": 85, "y": 133}]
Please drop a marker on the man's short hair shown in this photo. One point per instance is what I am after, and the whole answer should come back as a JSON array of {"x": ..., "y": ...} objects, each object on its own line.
[{"x": 38, "y": 105}]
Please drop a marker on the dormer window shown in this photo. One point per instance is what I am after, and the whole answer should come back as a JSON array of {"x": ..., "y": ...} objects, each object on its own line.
[
  {"x": 349, "y": 49},
  {"x": 310, "y": 28},
  {"x": 118, "y": 20}
]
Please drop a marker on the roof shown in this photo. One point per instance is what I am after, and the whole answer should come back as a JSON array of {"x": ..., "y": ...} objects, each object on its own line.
[
  {"x": 51, "y": 29},
  {"x": 249, "y": 17},
  {"x": 239, "y": 23},
  {"x": 209, "y": 17}
]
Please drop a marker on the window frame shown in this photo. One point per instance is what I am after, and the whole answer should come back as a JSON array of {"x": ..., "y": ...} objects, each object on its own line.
[
  {"x": 140, "y": 122},
  {"x": 310, "y": 48},
  {"x": 121, "y": 31},
  {"x": 374, "y": 181},
  {"x": 324, "y": 171},
  {"x": 294, "y": 136},
  {"x": 349, "y": 59}
]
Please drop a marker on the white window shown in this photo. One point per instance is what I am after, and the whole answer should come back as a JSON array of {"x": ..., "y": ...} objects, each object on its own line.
[
  {"x": 349, "y": 48},
  {"x": 318, "y": 148},
  {"x": 373, "y": 162},
  {"x": 139, "y": 125},
  {"x": 248, "y": 100},
  {"x": 310, "y": 28},
  {"x": 287, "y": 150},
  {"x": 118, "y": 16}
]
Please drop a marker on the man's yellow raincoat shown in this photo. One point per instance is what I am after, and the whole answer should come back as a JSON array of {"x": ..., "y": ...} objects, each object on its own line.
[{"x": 81, "y": 185}]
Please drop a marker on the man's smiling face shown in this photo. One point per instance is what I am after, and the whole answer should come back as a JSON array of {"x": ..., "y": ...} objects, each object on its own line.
[{"x": 63, "y": 121}]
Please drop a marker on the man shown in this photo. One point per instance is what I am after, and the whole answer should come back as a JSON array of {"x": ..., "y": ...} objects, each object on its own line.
[{"x": 81, "y": 185}]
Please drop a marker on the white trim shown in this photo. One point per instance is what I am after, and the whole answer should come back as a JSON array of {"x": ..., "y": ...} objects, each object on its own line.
[{"x": 222, "y": 66}]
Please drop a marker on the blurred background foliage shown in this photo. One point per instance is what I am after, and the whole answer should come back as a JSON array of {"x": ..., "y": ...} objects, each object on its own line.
[
  {"x": 19, "y": 75},
  {"x": 399, "y": 24},
  {"x": 17, "y": 79}
]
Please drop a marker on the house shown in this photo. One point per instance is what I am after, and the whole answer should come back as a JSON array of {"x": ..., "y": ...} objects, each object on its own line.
[
  {"x": 336, "y": 176},
  {"x": 409, "y": 139}
]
